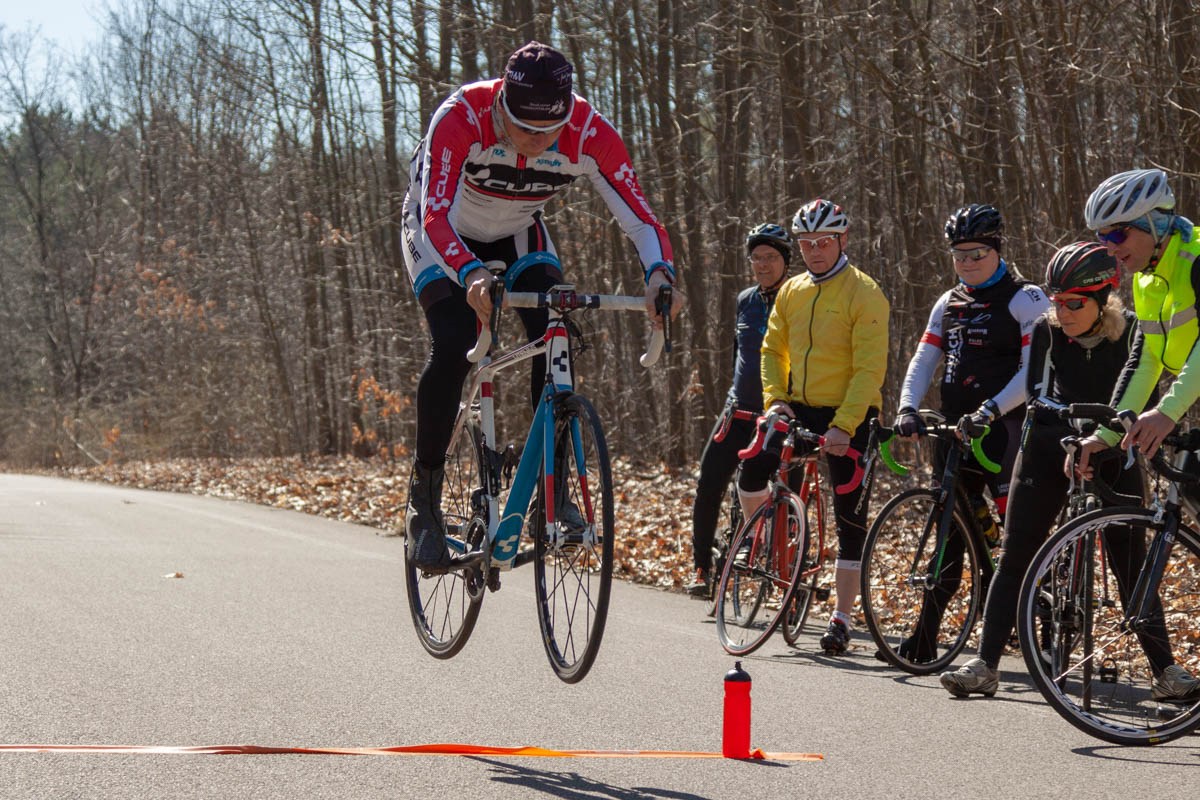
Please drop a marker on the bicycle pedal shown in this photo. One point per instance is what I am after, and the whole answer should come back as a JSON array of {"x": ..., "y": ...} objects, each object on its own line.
[{"x": 822, "y": 593}]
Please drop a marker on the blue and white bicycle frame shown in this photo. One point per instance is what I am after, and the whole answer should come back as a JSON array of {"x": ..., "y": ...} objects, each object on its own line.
[{"x": 537, "y": 456}]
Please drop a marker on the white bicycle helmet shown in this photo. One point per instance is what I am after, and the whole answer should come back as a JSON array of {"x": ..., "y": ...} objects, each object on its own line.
[
  {"x": 1128, "y": 196},
  {"x": 820, "y": 216}
]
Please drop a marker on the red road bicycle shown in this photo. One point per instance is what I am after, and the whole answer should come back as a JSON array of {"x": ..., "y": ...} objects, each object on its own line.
[{"x": 773, "y": 568}]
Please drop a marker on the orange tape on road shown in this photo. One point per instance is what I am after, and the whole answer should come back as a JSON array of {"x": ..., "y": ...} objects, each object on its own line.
[{"x": 412, "y": 750}]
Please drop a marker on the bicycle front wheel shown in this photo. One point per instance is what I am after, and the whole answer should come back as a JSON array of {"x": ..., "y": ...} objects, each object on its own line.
[
  {"x": 808, "y": 584},
  {"x": 920, "y": 605},
  {"x": 760, "y": 576},
  {"x": 574, "y": 555},
  {"x": 1097, "y": 668},
  {"x": 444, "y": 607}
]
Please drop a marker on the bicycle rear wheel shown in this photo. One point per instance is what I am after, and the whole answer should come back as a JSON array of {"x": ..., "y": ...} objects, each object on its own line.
[
  {"x": 759, "y": 578},
  {"x": 920, "y": 620},
  {"x": 444, "y": 607},
  {"x": 573, "y": 576},
  {"x": 1094, "y": 667}
]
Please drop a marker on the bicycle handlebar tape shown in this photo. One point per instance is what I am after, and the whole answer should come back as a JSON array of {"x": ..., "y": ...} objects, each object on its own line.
[
  {"x": 980, "y": 456},
  {"x": 735, "y": 738}
]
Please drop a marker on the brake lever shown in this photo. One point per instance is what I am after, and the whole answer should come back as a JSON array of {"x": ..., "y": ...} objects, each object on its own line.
[
  {"x": 1127, "y": 418},
  {"x": 662, "y": 305}
]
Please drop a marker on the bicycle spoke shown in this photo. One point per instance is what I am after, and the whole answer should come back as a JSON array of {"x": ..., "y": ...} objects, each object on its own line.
[
  {"x": 574, "y": 573},
  {"x": 920, "y": 616},
  {"x": 1097, "y": 669}
]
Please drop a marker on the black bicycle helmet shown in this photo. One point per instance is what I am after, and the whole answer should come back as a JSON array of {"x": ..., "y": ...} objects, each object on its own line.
[
  {"x": 1082, "y": 267},
  {"x": 771, "y": 234},
  {"x": 976, "y": 223}
]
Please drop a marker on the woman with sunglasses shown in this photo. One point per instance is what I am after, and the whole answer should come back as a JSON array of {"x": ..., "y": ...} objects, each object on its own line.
[
  {"x": 824, "y": 358},
  {"x": 495, "y": 153},
  {"x": 1078, "y": 349},
  {"x": 980, "y": 329},
  {"x": 1133, "y": 215}
]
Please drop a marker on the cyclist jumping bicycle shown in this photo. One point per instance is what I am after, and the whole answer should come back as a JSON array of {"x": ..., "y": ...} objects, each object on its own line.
[
  {"x": 495, "y": 153},
  {"x": 824, "y": 358}
]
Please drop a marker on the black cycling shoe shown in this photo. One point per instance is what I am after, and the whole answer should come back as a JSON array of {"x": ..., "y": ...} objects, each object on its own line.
[
  {"x": 423, "y": 522},
  {"x": 836, "y": 640}
]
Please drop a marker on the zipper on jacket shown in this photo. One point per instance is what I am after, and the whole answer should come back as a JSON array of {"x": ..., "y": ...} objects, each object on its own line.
[{"x": 812, "y": 316}]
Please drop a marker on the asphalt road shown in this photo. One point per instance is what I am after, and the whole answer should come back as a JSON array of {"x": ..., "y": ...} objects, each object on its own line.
[{"x": 287, "y": 630}]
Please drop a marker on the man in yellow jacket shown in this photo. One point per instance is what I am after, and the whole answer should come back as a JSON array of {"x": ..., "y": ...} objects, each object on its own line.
[{"x": 824, "y": 358}]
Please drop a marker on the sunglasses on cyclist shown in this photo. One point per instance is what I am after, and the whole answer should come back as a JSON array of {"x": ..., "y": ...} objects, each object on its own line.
[
  {"x": 976, "y": 254},
  {"x": 766, "y": 258},
  {"x": 526, "y": 127},
  {"x": 820, "y": 241},
  {"x": 1115, "y": 236},
  {"x": 1071, "y": 302}
]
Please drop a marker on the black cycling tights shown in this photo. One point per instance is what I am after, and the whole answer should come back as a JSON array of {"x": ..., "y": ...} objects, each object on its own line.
[
  {"x": 850, "y": 517},
  {"x": 452, "y": 331}
]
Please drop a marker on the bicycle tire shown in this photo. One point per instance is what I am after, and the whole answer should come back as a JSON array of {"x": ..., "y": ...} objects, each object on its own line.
[
  {"x": 807, "y": 585},
  {"x": 897, "y": 585},
  {"x": 444, "y": 607},
  {"x": 1098, "y": 676},
  {"x": 759, "y": 580},
  {"x": 573, "y": 569}
]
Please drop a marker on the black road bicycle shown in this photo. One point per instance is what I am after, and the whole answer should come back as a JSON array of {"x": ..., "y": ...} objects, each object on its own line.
[{"x": 1095, "y": 645}]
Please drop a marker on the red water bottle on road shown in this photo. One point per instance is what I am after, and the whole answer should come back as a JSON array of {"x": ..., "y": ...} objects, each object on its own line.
[{"x": 735, "y": 740}]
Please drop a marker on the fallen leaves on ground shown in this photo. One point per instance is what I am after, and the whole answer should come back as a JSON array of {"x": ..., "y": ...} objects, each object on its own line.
[{"x": 653, "y": 502}]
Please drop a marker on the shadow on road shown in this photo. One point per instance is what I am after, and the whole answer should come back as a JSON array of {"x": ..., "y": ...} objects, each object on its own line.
[
  {"x": 573, "y": 785},
  {"x": 1015, "y": 685},
  {"x": 1176, "y": 754}
]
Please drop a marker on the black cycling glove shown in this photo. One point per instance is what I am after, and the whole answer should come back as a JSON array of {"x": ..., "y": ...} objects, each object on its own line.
[
  {"x": 908, "y": 422},
  {"x": 982, "y": 417}
]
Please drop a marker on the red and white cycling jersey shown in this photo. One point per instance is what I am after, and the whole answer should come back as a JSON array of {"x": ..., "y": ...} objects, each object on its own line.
[{"x": 467, "y": 181}]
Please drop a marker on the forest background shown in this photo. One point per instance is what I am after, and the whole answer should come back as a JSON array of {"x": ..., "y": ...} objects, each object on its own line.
[{"x": 198, "y": 216}]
